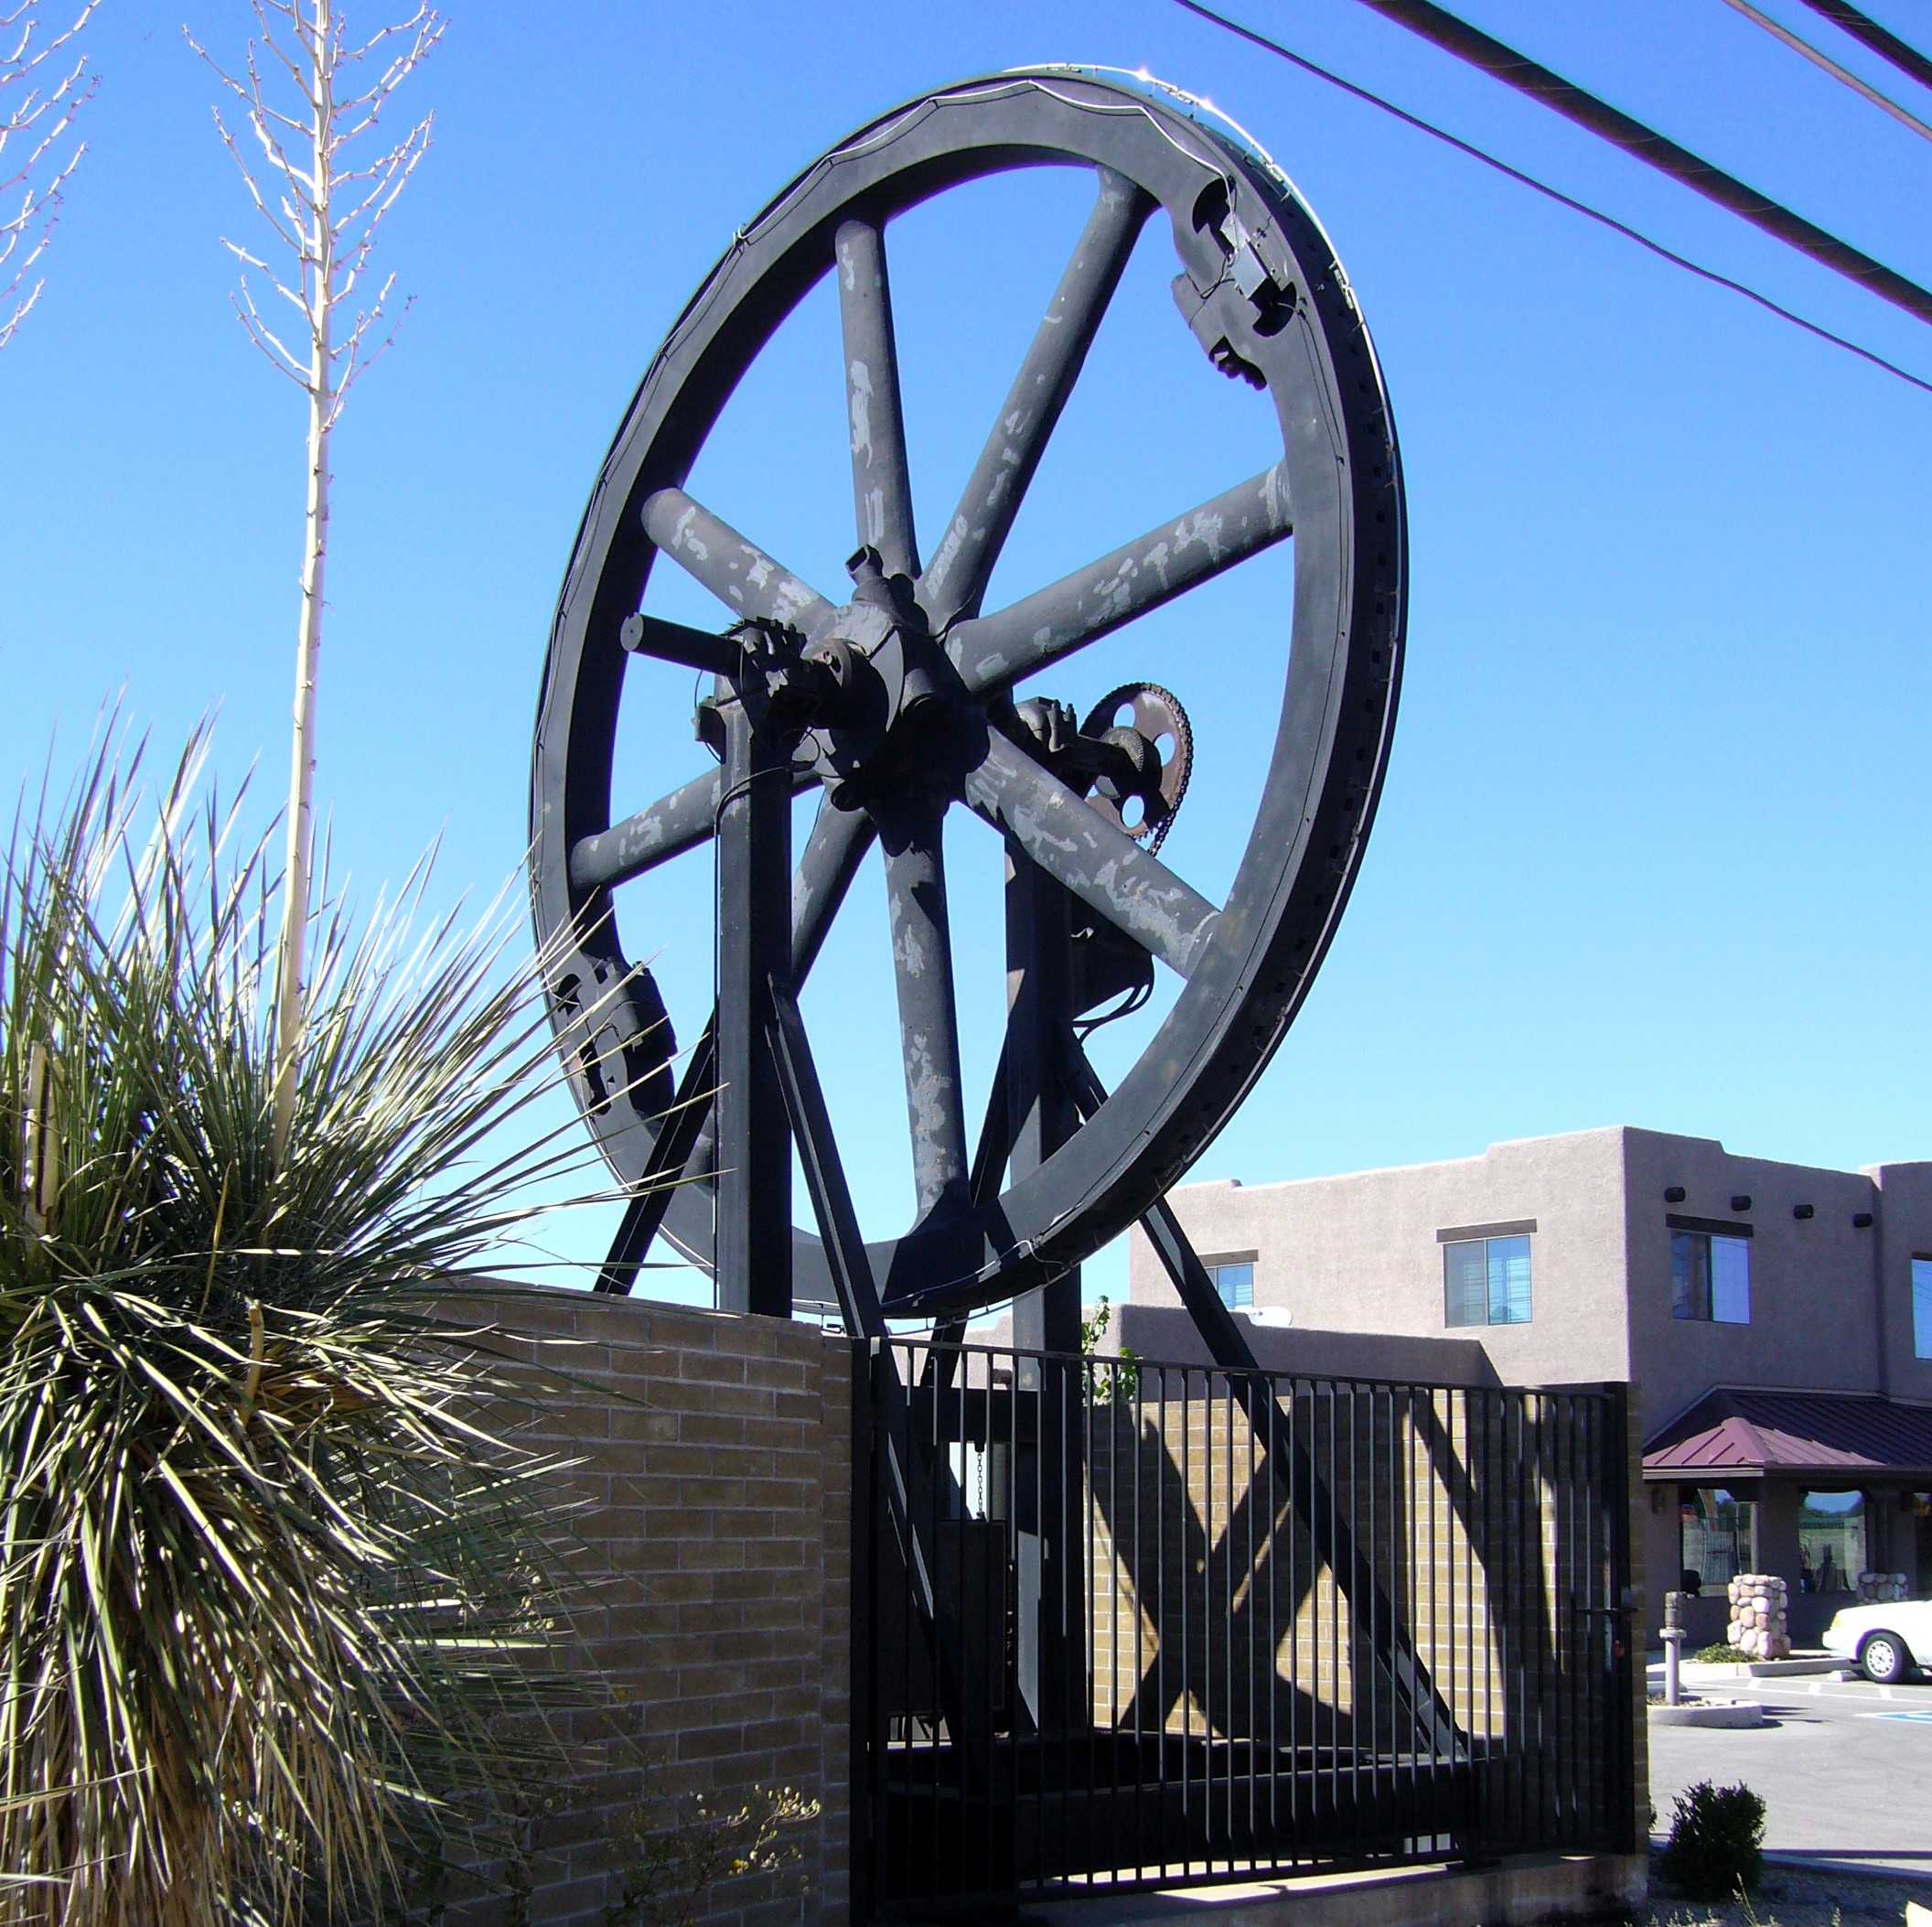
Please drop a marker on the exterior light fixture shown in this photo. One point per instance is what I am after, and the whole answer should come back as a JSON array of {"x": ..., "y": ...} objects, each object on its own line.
[
  {"x": 1742, "y": 1202},
  {"x": 1802, "y": 1210},
  {"x": 1861, "y": 1220},
  {"x": 1673, "y": 1194}
]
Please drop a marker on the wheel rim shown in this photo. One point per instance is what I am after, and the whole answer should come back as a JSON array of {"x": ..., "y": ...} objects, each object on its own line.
[{"x": 1236, "y": 223}]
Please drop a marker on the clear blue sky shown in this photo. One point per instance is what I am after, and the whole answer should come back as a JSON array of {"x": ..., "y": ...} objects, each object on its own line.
[{"x": 1652, "y": 845}]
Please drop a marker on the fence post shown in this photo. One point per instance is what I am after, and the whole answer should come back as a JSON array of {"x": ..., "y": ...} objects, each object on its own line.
[
  {"x": 1625, "y": 1478},
  {"x": 862, "y": 1835}
]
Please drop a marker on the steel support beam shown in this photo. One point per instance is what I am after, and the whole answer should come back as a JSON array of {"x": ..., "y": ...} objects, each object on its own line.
[
  {"x": 754, "y": 926},
  {"x": 1041, "y": 1117}
]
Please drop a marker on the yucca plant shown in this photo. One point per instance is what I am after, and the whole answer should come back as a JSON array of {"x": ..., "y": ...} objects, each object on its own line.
[{"x": 274, "y": 1596}]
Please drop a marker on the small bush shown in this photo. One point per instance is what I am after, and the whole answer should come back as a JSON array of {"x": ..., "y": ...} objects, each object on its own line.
[
  {"x": 1722, "y": 1655},
  {"x": 1716, "y": 1847}
]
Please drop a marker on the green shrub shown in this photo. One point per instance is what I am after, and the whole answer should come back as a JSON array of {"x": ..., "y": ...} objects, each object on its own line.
[
  {"x": 1722, "y": 1655},
  {"x": 268, "y": 1595},
  {"x": 1715, "y": 1851}
]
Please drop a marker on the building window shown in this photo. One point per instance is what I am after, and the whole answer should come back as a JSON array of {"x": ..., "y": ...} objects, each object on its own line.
[
  {"x": 1485, "y": 1281},
  {"x": 1922, "y": 1307},
  {"x": 1710, "y": 1278},
  {"x": 1716, "y": 1536},
  {"x": 1234, "y": 1279},
  {"x": 1830, "y": 1541}
]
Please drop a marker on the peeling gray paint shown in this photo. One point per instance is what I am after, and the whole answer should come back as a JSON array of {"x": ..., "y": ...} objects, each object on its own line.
[
  {"x": 738, "y": 572},
  {"x": 1089, "y": 603},
  {"x": 1098, "y": 862}
]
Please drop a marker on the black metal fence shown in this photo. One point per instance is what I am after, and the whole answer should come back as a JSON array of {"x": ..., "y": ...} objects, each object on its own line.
[{"x": 1125, "y": 1624}]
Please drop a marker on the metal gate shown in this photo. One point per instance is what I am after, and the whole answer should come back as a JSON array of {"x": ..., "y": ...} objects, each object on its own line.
[{"x": 1124, "y": 1624}]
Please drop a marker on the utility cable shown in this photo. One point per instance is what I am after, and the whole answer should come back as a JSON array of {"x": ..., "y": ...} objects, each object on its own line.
[
  {"x": 1881, "y": 40},
  {"x": 1555, "y": 193},
  {"x": 1799, "y": 44},
  {"x": 1479, "y": 50}
]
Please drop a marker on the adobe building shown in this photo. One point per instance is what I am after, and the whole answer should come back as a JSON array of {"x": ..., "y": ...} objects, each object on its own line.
[{"x": 1775, "y": 1322}]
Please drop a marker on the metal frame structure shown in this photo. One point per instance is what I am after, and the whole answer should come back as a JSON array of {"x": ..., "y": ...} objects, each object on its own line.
[
  {"x": 894, "y": 705},
  {"x": 901, "y": 702}
]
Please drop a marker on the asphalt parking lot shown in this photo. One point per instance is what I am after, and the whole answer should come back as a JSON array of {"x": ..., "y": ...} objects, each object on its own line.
[{"x": 1844, "y": 1767}]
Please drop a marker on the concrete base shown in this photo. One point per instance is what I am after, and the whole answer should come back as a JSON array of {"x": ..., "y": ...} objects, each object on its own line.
[
  {"x": 1516, "y": 1893},
  {"x": 1710, "y": 1713}
]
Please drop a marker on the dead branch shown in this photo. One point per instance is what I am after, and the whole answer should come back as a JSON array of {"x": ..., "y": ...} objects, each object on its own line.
[
  {"x": 42, "y": 88},
  {"x": 318, "y": 194},
  {"x": 308, "y": 99}
]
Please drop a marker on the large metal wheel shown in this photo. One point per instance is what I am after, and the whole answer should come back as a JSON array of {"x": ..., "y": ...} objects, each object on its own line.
[{"x": 901, "y": 701}]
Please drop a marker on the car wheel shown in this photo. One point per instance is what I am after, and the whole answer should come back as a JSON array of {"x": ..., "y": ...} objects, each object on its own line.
[{"x": 1884, "y": 1659}]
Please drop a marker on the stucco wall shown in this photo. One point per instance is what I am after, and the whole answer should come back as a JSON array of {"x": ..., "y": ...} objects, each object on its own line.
[
  {"x": 1361, "y": 1253},
  {"x": 715, "y": 1470},
  {"x": 1905, "y": 1228},
  {"x": 1830, "y": 1301},
  {"x": 1814, "y": 1285}
]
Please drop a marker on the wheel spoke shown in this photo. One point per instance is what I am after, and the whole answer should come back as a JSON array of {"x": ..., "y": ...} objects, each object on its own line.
[
  {"x": 1100, "y": 863},
  {"x": 996, "y": 1142},
  {"x": 839, "y": 839},
  {"x": 671, "y": 825},
  {"x": 956, "y": 577},
  {"x": 910, "y": 832},
  {"x": 678, "y": 1134},
  {"x": 881, "y": 486},
  {"x": 738, "y": 573},
  {"x": 1079, "y": 609}
]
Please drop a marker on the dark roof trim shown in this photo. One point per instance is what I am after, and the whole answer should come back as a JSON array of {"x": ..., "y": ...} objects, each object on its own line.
[
  {"x": 1712, "y": 1227},
  {"x": 1510, "y": 1228}
]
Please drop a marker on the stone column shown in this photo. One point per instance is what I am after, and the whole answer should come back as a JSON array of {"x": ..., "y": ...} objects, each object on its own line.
[{"x": 1760, "y": 1622}]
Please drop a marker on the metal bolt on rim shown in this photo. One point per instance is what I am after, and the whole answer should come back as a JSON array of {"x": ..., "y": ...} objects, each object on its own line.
[{"x": 912, "y": 658}]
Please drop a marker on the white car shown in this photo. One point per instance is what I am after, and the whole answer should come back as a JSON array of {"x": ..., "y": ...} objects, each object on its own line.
[{"x": 1886, "y": 1641}]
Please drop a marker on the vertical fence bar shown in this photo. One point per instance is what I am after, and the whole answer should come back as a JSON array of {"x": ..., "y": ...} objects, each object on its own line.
[
  {"x": 1270, "y": 1461},
  {"x": 1477, "y": 1457},
  {"x": 1249, "y": 1660},
  {"x": 1072, "y": 1678},
  {"x": 1335, "y": 1629},
  {"x": 867, "y": 1703},
  {"x": 1221, "y": 1534},
  {"x": 1529, "y": 1570}
]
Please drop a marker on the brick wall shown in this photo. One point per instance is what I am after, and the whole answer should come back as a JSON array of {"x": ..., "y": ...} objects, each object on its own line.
[{"x": 715, "y": 1476}]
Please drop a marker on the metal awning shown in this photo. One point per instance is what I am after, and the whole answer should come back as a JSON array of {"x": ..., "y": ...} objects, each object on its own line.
[{"x": 1746, "y": 1431}]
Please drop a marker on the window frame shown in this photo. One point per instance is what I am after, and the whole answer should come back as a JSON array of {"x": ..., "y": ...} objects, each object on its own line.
[
  {"x": 1711, "y": 1528},
  {"x": 1218, "y": 1262},
  {"x": 1922, "y": 1304},
  {"x": 1457, "y": 1295},
  {"x": 1697, "y": 1300}
]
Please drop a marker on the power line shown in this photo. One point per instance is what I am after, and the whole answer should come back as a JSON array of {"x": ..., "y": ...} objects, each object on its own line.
[
  {"x": 1886, "y": 45},
  {"x": 1555, "y": 193},
  {"x": 1778, "y": 31},
  {"x": 1575, "y": 104}
]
